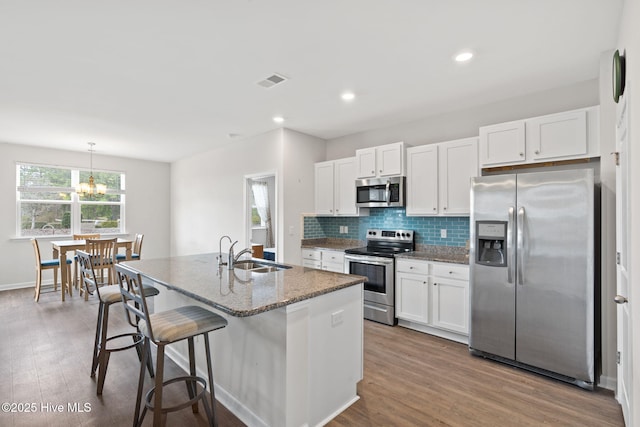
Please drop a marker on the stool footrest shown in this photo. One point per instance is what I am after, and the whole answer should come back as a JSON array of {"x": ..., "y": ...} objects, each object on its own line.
[
  {"x": 138, "y": 338},
  {"x": 187, "y": 379}
]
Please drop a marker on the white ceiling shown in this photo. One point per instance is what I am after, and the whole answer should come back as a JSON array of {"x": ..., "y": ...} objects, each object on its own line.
[{"x": 165, "y": 79}]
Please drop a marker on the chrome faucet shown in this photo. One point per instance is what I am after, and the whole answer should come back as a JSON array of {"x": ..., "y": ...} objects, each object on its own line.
[
  {"x": 233, "y": 260},
  {"x": 232, "y": 257},
  {"x": 220, "y": 262}
]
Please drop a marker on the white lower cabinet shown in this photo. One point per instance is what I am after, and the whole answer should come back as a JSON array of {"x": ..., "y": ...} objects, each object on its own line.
[
  {"x": 433, "y": 297},
  {"x": 411, "y": 297},
  {"x": 323, "y": 259},
  {"x": 450, "y": 305}
]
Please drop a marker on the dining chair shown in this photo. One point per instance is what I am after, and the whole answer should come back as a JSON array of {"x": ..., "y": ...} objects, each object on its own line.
[
  {"x": 135, "y": 252},
  {"x": 84, "y": 236},
  {"x": 49, "y": 264},
  {"x": 108, "y": 295},
  {"x": 102, "y": 253},
  {"x": 162, "y": 329}
]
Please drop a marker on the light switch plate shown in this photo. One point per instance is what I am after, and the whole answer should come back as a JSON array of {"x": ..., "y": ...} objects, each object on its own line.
[{"x": 443, "y": 233}]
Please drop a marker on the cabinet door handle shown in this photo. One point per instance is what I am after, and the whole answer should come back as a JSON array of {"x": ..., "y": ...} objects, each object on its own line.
[
  {"x": 451, "y": 272},
  {"x": 521, "y": 154},
  {"x": 373, "y": 172},
  {"x": 537, "y": 151},
  {"x": 435, "y": 284}
]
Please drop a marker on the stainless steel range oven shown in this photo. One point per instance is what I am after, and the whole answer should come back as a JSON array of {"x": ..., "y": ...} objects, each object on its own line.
[{"x": 376, "y": 261}]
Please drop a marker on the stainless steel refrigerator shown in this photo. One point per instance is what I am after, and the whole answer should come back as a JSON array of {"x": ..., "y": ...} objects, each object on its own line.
[{"x": 532, "y": 272}]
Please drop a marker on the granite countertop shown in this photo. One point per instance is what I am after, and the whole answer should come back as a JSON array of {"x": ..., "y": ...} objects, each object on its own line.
[
  {"x": 452, "y": 254},
  {"x": 329, "y": 243},
  {"x": 240, "y": 292},
  {"x": 439, "y": 257}
]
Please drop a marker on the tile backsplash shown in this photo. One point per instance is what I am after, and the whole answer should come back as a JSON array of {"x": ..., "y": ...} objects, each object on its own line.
[{"x": 427, "y": 229}]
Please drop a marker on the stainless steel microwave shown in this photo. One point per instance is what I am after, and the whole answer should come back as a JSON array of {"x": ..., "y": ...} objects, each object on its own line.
[{"x": 380, "y": 192}]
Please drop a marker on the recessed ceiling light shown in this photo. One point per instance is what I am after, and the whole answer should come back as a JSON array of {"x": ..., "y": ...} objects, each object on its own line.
[
  {"x": 278, "y": 119},
  {"x": 348, "y": 96},
  {"x": 464, "y": 56}
]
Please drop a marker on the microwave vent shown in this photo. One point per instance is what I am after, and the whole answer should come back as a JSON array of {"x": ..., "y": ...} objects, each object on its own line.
[{"x": 272, "y": 80}]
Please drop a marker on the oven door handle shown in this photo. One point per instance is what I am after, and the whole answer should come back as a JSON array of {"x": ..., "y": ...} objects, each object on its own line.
[{"x": 369, "y": 259}]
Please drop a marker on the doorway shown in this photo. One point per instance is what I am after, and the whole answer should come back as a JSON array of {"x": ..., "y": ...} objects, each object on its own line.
[{"x": 261, "y": 214}]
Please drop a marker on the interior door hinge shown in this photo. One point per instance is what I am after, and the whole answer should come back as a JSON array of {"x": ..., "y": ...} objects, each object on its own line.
[
  {"x": 618, "y": 258},
  {"x": 618, "y": 358},
  {"x": 617, "y": 157}
]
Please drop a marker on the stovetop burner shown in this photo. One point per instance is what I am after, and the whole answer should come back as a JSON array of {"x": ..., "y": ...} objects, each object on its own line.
[{"x": 385, "y": 243}]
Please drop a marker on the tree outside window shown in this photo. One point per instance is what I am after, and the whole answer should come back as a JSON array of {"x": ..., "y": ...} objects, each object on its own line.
[{"x": 47, "y": 203}]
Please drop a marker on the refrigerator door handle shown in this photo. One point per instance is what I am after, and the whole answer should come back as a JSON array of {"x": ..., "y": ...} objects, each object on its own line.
[
  {"x": 520, "y": 237},
  {"x": 511, "y": 246}
]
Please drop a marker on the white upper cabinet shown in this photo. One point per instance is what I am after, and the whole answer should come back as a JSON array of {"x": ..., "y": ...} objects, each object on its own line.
[
  {"x": 335, "y": 187},
  {"x": 502, "y": 144},
  {"x": 458, "y": 163},
  {"x": 384, "y": 160},
  {"x": 422, "y": 180},
  {"x": 324, "y": 188},
  {"x": 562, "y": 136},
  {"x": 558, "y": 135},
  {"x": 345, "y": 187},
  {"x": 439, "y": 177}
]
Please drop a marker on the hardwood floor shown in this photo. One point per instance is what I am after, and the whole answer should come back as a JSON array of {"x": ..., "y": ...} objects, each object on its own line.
[{"x": 410, "y": 379}]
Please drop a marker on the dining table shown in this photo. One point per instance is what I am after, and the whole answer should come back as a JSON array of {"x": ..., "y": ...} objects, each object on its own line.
[{"x": 61, "y": 247}]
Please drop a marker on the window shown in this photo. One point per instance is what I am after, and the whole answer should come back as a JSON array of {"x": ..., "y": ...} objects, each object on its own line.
[{"x": 47, "y": 202}]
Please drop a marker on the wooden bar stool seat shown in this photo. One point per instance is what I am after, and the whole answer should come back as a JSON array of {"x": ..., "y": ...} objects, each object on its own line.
[
  {"x": 162, "y": 329},
  {"x": 108, "y": 295}
]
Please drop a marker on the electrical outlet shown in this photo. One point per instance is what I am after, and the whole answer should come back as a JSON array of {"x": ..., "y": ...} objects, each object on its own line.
[
  {"x": 291, "y": 230},
  {"x": 443, "y": 233},
  {"x": 341, "y": 229},
  {"x": 346, "y": 229}
]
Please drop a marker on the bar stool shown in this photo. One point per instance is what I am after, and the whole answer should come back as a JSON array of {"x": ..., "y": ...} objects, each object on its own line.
[
  {"x": 165, "y": 328},
  {"x": 108, "y": 295}
]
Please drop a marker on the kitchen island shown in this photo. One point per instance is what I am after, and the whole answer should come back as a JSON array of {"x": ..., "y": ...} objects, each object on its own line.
[{"x": 291, "y": 354}]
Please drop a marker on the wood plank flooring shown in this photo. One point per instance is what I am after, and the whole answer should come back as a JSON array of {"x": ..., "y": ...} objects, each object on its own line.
[{"x": 410, "y": 379}]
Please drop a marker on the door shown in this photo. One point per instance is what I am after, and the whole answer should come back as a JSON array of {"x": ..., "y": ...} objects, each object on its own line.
[
  {"x": 625, "y": 369},
  {"x": 557, "y": 136},
  {"x": 324, "y": 188},
  {"x": 458, "y": 164},
  {"x": 555, "y": 272},
  {"x": 502, "y": 144},
  {"x": 492, "y": 293},
  {"x": 345, "y": 188},
  {"x": 449, "y": 304},
  {"x": 422, "y": 180},
  {"x": 412, "y": 299}
]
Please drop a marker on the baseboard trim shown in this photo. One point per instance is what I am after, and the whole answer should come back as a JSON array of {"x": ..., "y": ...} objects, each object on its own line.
[
  {"x": 609, "y": 383},
  {"x": 231, "y": 403}
]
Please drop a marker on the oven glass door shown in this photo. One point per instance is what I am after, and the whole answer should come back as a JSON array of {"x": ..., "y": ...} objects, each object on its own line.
[{"x": 374, "y": 272}]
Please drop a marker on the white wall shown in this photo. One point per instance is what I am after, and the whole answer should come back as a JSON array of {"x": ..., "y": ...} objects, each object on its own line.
[
  {"x": 465, "y": 123},
  {"x": 208, "y": 191},
  {"x": 147, "y": 208},
  {"x": 299, "y": 153},
  {"x": 608, "y": 222},
  {"x": 629, "y": 44}
]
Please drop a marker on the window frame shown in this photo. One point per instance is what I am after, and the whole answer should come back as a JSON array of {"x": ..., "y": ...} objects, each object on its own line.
[{"x": 75, "y": 202}]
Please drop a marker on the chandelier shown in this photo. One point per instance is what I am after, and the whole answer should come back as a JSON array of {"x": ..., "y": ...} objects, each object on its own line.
[{"x": 90, "y": 188}]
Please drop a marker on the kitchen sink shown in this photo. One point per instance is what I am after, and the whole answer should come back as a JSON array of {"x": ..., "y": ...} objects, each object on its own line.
[{"x": 259, "y": 266}]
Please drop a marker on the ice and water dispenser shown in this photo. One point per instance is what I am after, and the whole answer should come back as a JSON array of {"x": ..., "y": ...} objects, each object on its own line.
[{"x": 491, "y": 243}]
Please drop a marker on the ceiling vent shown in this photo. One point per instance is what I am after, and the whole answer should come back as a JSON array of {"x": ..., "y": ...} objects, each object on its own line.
[{"x": 271, "y": 81}]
